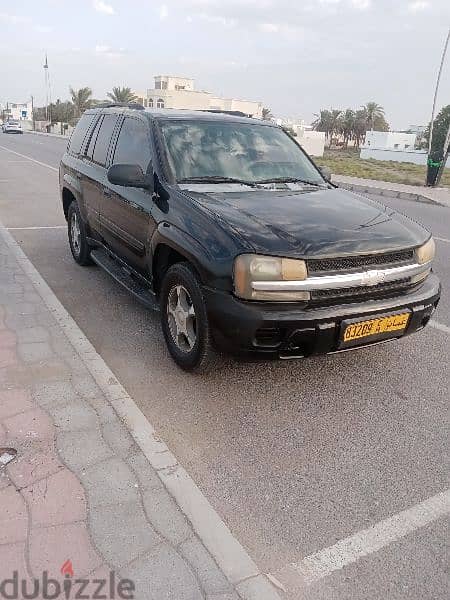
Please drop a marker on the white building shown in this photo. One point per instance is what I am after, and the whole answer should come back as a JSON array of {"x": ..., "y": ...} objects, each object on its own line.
[
  {"x": 15, "y": 111},
  {"x": 394, "y": 145},
  {"x": 180, "y": 93},
  {"x": 390, "y": 140},
  {"x": 313, "y": 142}
]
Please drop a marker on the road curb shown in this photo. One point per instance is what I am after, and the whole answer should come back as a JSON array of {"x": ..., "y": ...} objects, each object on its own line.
[
  {"x": 55, "y": 135},
  {"x": 226, "y": 550},
  {"x": 387, "y": 193}
]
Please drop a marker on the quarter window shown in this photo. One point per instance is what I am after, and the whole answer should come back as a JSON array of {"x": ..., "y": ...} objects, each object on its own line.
[
  {"x": 133, "y": 145},
  {"x": 89, "y": 152},
  {"x": 79, "y": 133},
  {"x": 103, "y": 139}
]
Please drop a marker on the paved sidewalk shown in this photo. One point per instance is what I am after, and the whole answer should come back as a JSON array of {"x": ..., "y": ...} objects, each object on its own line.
[
  {"x": 81, "y": 498},
  {"x": 394, "y": 190}
]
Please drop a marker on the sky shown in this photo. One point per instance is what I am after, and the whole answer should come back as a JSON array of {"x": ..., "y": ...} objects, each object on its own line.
[{"x": 294, "y": 56}]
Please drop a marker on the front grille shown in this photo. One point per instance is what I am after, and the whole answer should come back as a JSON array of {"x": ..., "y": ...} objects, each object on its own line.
[
  {"x": 350, "y": 263},
  {"x": 354, "y": 294}
]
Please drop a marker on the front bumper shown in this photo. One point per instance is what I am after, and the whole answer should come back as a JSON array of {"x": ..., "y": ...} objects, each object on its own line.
[{"x": 287, "y": 330}]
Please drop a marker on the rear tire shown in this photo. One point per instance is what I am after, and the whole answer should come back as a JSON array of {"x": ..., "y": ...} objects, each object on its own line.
[
  {"x": 76, "y": 230},
  {"x": 184, "y": 319}
]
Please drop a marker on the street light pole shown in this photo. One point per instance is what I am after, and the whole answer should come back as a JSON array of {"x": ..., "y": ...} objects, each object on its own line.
[{"x": 437, "y": 89}]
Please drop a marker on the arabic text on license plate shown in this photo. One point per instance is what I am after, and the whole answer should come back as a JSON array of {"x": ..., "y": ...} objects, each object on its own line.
[{"x": 375, "y": 326}]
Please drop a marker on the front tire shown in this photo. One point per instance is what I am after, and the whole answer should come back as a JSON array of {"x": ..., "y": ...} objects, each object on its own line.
[
  {"x": 184, "y": 319},
  {"x": 76, "y": 229}
]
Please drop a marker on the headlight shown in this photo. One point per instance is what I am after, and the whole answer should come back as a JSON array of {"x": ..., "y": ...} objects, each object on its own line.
[
  {"x": 426, "y": 253},
  {"x": 249, "y": 268}
]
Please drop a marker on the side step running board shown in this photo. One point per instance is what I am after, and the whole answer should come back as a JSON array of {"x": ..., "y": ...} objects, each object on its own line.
[{"x": 120, "y": 274}]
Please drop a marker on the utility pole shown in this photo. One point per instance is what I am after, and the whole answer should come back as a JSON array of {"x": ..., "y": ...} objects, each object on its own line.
[
  {"x": 48, "y": 92},
  {"x": 444, "y": 52},
  {"x": 32, "y": 113},
  {"x": 446, "y": 155}
]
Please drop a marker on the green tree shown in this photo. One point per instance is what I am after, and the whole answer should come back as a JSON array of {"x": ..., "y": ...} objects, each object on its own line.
[
  {"x": 82, "y": 100},
  {"x": 374, "y": 116},
  {"x": 62, "y": 111},
  {"x": 323, "y": 122},
  {"x": 123, "y": 94},
  {"x": 360, "y": 127},
  {"x": 346, "y": 125},
  {"x": 266, "y": 114},
  {"x": 440, "y": 128}
]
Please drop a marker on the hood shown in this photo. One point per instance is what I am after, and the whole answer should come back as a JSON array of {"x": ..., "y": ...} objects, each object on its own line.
[{"x": 319, "y": 223}]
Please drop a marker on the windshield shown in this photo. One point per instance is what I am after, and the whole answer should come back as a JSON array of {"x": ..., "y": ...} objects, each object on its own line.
[{"x": 246, "y": 152}]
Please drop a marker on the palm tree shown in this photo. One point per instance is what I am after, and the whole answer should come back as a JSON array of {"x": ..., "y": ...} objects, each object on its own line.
[
  {"x": 374, "y": 113},
  {"x": 323, "y": 122},
  {"x": 123, "y": 94},
  {"x": 360, "y": 126},
  {"x": 346, "y": 125},
  {"x": 82, "y": 100},
  {"x": 334, "y": 123},
  {"x": 267, "y": 114}
]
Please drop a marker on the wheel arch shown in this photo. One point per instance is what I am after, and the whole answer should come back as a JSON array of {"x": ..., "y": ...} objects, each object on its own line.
[{"x": 170, "y": 246}]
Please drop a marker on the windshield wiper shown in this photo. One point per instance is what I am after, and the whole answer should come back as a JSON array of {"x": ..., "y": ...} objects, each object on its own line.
[
  {"x": 289, "y": 180},
  {"x": 216, "y": 179}
]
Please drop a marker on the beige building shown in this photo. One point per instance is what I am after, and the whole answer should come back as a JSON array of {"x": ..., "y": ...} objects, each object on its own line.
[{"x": 180, "y": 93}]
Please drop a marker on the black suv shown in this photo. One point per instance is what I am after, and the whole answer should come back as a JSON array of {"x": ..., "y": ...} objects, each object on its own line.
[{"x": 227, "y": 226}]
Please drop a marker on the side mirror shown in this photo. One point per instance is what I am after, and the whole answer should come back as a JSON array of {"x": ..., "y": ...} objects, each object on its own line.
[
  {"x": 326, "y": 172},
  {"x": 128, "y": 176}
]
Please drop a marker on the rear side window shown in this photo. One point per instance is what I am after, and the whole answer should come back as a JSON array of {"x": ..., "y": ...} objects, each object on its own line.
[
  {"x": 89, "y": 152},
  {"x": 79, "y": 132},
  {"x": 103, "y": 139},
  {"x": 133, "y": 145}
]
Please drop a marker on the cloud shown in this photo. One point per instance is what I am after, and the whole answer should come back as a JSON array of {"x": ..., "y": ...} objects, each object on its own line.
[
  {"x": 13, "y": 19},
  {"x": 362, "y": 4},
  {"x": 269, "y": 27},
  {"x": 418, "y": 6},
  {"x": 163, "y": 12},
  {"x": 103, "y": 7}
]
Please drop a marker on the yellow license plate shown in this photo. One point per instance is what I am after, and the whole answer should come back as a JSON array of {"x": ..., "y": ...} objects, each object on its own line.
[{"x": 362, "y": 329}]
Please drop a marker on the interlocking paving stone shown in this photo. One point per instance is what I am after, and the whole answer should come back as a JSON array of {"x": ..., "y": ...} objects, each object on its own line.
[
  {"x": 82, "y": 449},
  {"x": 165, "y": 516},
  {"x": 34, "y": 352},
  {"x": 118, "y": 438},
  {"x": 75, "y": 416},
  {"x": 29, "y": 468},
  {"x": 148, "y": 479},
  {"x": 110, "y": 482},
  {"x": 12, "y": 558},
  {"x": 13, "y": 516},
  {"x": 208, "y": 573},
  {"x": 14, "y": 401},
  {"x": 121, "y": 532},
  {"x": 30, "y": 425},
  {"x": 51, "y": 546},
  {"x": 163, "y": 574},
  {"x": 56, "y": 499}
]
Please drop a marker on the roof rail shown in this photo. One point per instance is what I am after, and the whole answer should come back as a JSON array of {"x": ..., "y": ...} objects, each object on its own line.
[
  {"x": 233, "y": 113},
  {"x": 135, "y": 105}
]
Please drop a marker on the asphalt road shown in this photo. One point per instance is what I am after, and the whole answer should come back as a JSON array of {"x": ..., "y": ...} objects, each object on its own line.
[{"x": 293, "y": 455}]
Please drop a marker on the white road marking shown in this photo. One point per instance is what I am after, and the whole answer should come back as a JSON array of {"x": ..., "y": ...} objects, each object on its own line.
[
  {"x": 228, "y": 553},
  {"x": 441, "y": 239},
  {"x": 34, "y": 228},
  {"x": 439, "y": 326},
  {"x": 365, "y": 542},
  {"x": 38, "y": 162}
]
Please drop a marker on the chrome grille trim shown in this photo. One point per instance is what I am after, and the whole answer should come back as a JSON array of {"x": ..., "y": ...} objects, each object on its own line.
[
  {"x": 365, "y": 278},
  {"x": 367, "y": 261}
]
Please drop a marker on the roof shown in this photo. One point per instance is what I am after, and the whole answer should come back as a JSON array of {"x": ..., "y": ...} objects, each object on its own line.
[{"x": 179, "y": 115}]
